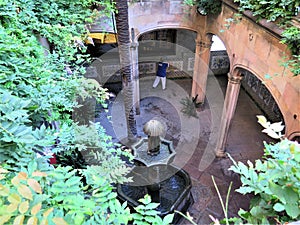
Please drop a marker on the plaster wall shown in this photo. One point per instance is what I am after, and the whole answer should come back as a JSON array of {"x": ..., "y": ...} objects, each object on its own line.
[
  {"x": 251, "y": 46},
  {"x": 150, "y": 15}
]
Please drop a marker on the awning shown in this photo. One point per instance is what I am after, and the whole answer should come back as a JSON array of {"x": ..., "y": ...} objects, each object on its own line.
[
  {"x": 103, "y": 30},
  {"x": 105, "y": 38}
]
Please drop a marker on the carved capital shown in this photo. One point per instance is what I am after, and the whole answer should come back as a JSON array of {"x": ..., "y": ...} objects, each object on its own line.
[
  {"x": 203, "y": 44},
  {"x": 221, "y": 153},
  {"x": 235, "y": 79},
  {"x": 134, "y": 45}
]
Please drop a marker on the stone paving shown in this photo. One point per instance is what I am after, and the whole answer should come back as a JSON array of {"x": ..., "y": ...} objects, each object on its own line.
[{"x": 194, "y": 139}]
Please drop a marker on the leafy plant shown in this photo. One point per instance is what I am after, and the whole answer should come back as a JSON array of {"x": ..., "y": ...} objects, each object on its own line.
[
  {"x": 209, "y": 7},
  {"x": 146, "y": 214},
  {"x": 58, "y": 197},
  {"x": 235, "y": 19},
  {"x": 270, "y": 10},
  {"x": 206, "y": 7},
  {"x": 293, "y": 65},
  {"x": 21, "y": 199},
  {"x": 273, "y": 130},
  {"x": 291, "y": 37},
  {"x": 81, "y": 146},
  {"x": 34, "y": 197},
  {"x": 20, "y": 142},
  {"x": 189, "y": 107},
  {"x": 224, "y": 206},
  {"x": 274, "y": 181}
]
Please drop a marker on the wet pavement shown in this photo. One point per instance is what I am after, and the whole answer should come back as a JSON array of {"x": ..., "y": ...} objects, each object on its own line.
[{"x": 194, "y": 138}]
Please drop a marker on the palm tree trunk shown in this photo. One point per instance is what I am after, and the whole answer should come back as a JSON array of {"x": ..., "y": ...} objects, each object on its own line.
[{"x": 126, "y": 67}]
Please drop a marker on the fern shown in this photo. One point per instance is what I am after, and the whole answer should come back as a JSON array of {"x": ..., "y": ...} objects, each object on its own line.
[{"x": 189, "y": 107}]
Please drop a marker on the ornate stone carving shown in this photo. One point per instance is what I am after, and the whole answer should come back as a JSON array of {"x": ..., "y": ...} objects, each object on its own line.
[
  {"x": 204, "y": 44},
  {"x": 235, "y": 79}
]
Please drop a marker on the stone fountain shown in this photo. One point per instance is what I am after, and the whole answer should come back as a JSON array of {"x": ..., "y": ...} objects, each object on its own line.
[{"x": 153, "y": 174}]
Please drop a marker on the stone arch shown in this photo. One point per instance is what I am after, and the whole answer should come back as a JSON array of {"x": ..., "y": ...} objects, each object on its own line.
[
  {"x": 250, "y": 79},
  {"x": 295, "y": 136},
  {"x": 175, "y": 45},
  {"x": 219, "y": 58},
  {"x": 139, "y": 33}
]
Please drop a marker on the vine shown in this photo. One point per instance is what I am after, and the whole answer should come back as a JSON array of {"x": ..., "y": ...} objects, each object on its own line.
[
  {"x": 282, "y": 12},
  {"x": 206, "y": 7}
]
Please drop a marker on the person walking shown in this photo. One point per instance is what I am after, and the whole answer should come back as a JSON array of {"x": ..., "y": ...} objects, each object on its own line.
[{"x": 161, "y": 74}]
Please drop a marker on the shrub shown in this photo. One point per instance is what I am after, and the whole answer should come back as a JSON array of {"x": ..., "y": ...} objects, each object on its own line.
[{"x": 274, "y": 180}]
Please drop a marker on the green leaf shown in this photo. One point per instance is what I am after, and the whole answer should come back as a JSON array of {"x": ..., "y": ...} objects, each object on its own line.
[
  {"x": 25, "y": 192},
  {"x": 151, "y": 205},
  {"x": 257, "y": 212},
  {"x": 19, "y": 220},
  {"x": 36, "y": 209},
  {"x": 263, "y": 121},
  {"x": 59, "y": 221},
  {"x": 137, "y": 216},
  {"x": 146, "y": 200},
  {"x": 292, "y": 210},
  {"x": 265, "y": 221},
  {"x": 245, "y": 190},
  {"x": 14, "y": 198},
  {"x": 277, "y": 127},
  {"x": 23, "y": 207},
  {"x": 279, "y": 207},
  {"x": 149, "y": 219},
  {"x": 168, "y": 219}
]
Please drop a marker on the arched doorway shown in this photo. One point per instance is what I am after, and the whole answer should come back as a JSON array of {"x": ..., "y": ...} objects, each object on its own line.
[
  {"x": 261, "y": 96},
  {"x": 176, "y": 46}
]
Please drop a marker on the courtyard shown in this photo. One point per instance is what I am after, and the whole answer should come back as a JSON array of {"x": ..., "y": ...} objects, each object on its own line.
[
  {"x": 192, "y": 139},
  {"x": 88, "y": 138}
]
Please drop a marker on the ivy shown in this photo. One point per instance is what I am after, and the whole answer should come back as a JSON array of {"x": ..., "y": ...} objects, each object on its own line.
[
  {"x": 206, "y": 7},
  {"x": 273, "y": 10},
  {"x": 282, "y": 12},
  {"x": 291, "y": 37}
]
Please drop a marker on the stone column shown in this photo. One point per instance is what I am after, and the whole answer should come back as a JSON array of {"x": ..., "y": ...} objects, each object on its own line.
[
  {"x": 232, "y": 93},
  {"x": 201, "y": 66},
  {"x": 135, "y": 75}
]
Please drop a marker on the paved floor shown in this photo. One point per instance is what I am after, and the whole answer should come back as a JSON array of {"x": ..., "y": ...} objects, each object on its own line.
[{"x": 194, "y": 139}]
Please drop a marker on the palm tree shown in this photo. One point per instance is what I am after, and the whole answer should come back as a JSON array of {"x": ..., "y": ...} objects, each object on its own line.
[{"x": 126, "y": 67}]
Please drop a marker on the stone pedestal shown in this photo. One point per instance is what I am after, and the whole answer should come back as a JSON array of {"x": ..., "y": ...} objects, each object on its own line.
[{"x": 153, "y": 145}]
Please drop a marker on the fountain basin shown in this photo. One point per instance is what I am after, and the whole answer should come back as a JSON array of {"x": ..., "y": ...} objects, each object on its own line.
[
  {"x": 141, "y": 156},
  {"x": 166, "y": 184}
]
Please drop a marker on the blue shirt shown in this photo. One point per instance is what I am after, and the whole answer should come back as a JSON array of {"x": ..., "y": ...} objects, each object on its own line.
[{"x": 162, "y": 69}]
